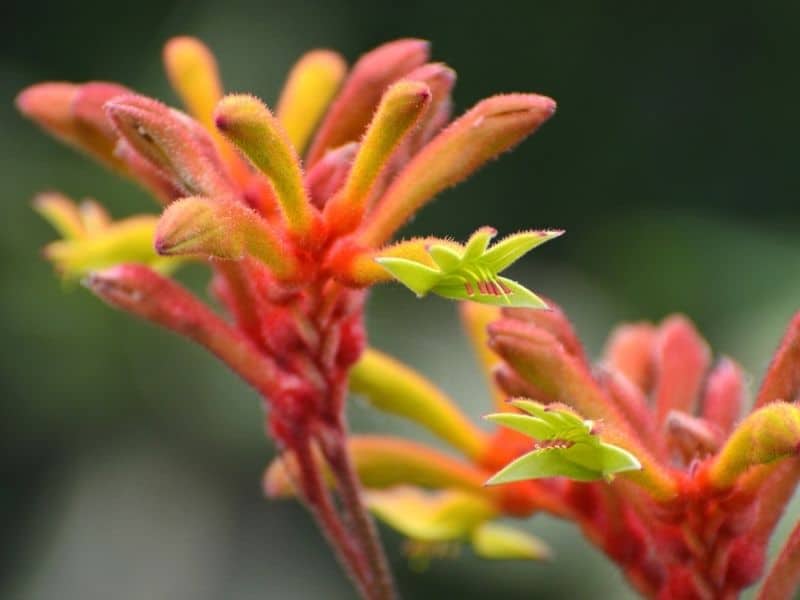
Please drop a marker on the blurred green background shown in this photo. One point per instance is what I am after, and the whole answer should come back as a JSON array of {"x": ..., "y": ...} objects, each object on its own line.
[{"x": 131, "y": 460}]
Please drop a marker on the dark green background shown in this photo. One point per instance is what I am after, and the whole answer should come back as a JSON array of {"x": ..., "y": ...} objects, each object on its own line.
[{"x": 131, "y": 460}]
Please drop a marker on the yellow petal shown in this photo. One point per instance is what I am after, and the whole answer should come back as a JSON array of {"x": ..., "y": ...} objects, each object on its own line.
[
  {"x": 192, "y": 71},
  {"x": 430, "y": 516},
  {"x": 395, "y": 388},
  {"x": 311, "y": 86},
  {"x": 496, "y": 541},
  {"x": 126, "y": 241},
  {"x": 61, "y": 213},
  {"x": 383, "y": 461}
]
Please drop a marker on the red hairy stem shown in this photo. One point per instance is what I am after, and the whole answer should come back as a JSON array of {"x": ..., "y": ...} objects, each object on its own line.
[
  {"x": 316, "y": 496},
  {"x": 140, "y": 290},
  {"x": 334, "y": 447}
]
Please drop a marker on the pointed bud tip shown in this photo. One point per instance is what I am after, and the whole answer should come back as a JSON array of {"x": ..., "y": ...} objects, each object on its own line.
[
  {"x": 183, "y": 43},
  {"x": 50, "y": 105},
  {"x": 414, "y": 93},
  {"x": 409, "y": 45},
  {"x": 221, "y": 121},
  {"x": 328, "y": 58},
  {"x": 112, "y": 284},
  {"x": 440, "y": 71},
  {"x": 235, "y": 104},
  {"x": 239, "y": 109},
  {"x": 162, "y": 246},
  {"x": 540, "y": 108},
  {"x": 39, "y": 97}
]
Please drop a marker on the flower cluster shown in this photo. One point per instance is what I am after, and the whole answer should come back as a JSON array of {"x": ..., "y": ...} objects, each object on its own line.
[
  {"x": 292, "y": 243},
  {"x": 684, "y": 501}
]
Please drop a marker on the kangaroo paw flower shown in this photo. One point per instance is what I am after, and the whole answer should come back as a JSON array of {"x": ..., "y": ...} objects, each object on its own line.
[{"x": 471, "y": 272}]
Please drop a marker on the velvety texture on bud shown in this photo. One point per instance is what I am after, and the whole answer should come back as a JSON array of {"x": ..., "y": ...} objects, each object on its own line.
[
  {"x": 249, "y": 124},
  {"x": 143, "y": 292},
  {"x": 312, "y": 84},
  {"x": 692, "y": 437},
  {"x": 682, "y": 358},
  {"x": 225, "y": 229},
  {"x": 399, "y": 110},
  {"x": 171, "y": 143},
  {"x": 329, "y": 174},
  {"x": 539, "y": 357},
  {"x": 192, "y": 71},
  {"x": 349, "y": 114},
  {"x": 768, "y": 434},
  {"x": 630, "y": 351},
  {"x": 74, "y": 114},
  {"x": 553, "y": 320},
  {"x": 440, "y": 79},
  {"x": 632, "y": 405},
  {"x": 164, "y": 187},
  {"x": 487, "y": 130},
  {"x": 50, "y": 106},
  {"x": 724, "y": 395},
  {"x": 194, "y": 75}
]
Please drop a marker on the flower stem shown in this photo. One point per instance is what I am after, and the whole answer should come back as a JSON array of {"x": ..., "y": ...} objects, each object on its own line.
[
  {"x": 318, "y": 500},
  {"x": 334, "y": 446}
]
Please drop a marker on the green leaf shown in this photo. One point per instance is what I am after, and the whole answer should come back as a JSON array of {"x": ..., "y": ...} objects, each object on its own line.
[
  {"x": 542, "y": 463},
  {"x": 530, "y": 426},
  {"x": 472, "y": 271},
  {"x": 446, "y": 258},
  {"x": 617, "y": 460},
  {"x": 565, "y": 446},
  {"x": 510, "y": 249},
  {"x": 415, "y": 276}
]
